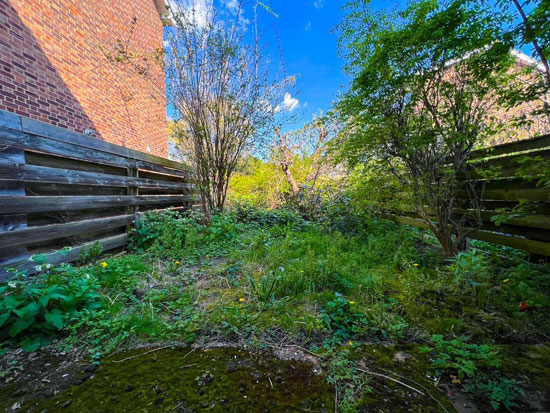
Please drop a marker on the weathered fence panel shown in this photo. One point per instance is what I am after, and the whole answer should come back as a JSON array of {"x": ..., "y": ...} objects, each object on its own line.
[
  {"x": 505, "y": 189},
  {"x": 62, "y": 189}
]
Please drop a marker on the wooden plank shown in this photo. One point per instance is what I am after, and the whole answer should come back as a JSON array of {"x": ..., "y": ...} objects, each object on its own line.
[
  {"x": 31, "y": 142},
  {"x": 64, "y": 135},
  {"x": 530, "y": 221},
  {"x": 533, "y": 246},
  {"x": 508, "y": 164},
  {"x": 10, "y": 120},
  {"x": 27, "y": 204},
  {"x": 62, "y": 162},
  {"x": 34, "y": 235},
  {"x": 59, "y": 257},
  {"x": 512, "y": 147},
  {"x": 35, "y": 143},
  {"x": 44, "y": 174},
  {"x": 529, "y": 194}
]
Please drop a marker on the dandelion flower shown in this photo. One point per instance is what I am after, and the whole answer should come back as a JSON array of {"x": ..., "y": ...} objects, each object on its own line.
[
  {"x": 241, "y": 300},
  {"x": 352, "y": 302},
  {"x": 104, "y": 264},
  {"x": 350, "y": 343},
  {"x": 415, "y": 264},
  {"x": 178, "y": 263}
]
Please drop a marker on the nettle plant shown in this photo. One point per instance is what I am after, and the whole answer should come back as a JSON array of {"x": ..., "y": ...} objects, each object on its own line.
[{"x": 32, "y": 312}]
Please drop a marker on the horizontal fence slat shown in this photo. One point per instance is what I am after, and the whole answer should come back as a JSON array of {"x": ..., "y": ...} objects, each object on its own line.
[
  {"x": 513, "y": 147},
  {"x": 35, "y": 235},
  {"x": 45, "y": 174},
  {"x": 505, "y": 166},
  {"x": 64, "y": 135},
  {"x": 68, "y": 255},
  {"x": 529, "y": 194},
  {"x": 531, "y": 221},
  {"x": 524, "y": 244},
  {"x": 28, "y": 204},
  {"x": 31, "y": 142}
]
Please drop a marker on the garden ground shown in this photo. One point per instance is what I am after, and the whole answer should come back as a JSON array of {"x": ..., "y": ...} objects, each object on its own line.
[{"x": 269, "y": 311}]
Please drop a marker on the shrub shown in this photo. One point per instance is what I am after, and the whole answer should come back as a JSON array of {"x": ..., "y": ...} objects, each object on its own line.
[{"x": 34, "y": 310}]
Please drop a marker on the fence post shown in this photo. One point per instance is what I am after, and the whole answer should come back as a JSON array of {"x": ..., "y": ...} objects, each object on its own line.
[{"x": 132, "y": 191}]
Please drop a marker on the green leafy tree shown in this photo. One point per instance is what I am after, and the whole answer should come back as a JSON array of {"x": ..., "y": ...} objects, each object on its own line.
[
  {"x": 425, "y": 80},
  {"x": 531, "y": 29}
]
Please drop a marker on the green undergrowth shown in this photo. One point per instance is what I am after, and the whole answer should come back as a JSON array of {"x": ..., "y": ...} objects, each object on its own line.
[{"x": 265, "y": 278}]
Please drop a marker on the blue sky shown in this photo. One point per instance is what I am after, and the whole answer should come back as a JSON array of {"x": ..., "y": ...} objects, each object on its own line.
[
  {"x": 304, "y": 31},
  {"x": 309, "y": 45}
]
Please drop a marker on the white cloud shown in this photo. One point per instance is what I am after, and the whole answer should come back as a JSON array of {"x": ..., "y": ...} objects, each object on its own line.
[
  {"x": 232, "y": 6},
  {"x": 196, "y": 11},
  {"x": 289, "y": 103},
  {"x": 308, "y": 27},
  {"x": 236, "y": 8},
  {"x": 319, "y": 4}
]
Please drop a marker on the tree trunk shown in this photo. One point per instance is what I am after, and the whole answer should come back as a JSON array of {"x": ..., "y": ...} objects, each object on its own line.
[{"x": 290, "y": 178}]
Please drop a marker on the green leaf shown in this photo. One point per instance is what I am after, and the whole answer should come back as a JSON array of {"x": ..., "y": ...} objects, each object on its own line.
[
  {"x": 4, "y": 317},
  {"x": 11, "y": 302},
  {"x": 19, "y": 326},
  {"x": 54, "y": 292},
  {"x": 55, "y": 317},
  {"x": 32, "y": 343},
  {"x": 30, "y": 311},
  {"x": 69, "y": 302}
]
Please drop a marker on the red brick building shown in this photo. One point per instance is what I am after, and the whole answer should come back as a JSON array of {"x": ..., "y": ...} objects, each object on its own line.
[{"x": 55, "y": 67}]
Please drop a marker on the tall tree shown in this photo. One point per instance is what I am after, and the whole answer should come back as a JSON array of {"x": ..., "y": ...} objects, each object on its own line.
[
  {"x": 424, "y": 82},
  {"x": 308, "y": 143},
  {"x": 222, "y": 88}
]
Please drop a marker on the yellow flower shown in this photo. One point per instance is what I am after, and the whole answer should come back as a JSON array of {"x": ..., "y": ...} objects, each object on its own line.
[
  {"x": 415, "y": 264},
  {"x": 352, "y": 302},
  {"x": 506, "y": 280},
  {"x": 178, "y": 263},
  {"x": 301, "y": 271},
  {"x": 455, "y": 379},
  {"x": 241, "y": 300},
  {"x": 350, "y": 343},
  {"x": 104, "y": 264}
]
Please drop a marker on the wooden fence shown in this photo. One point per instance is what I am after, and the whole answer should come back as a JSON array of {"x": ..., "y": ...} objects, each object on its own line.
[
  {"x": 505, "y": 189},
  {"x": 62, "y": 189}
]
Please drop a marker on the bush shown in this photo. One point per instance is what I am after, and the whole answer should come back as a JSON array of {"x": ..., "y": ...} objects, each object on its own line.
[
  {"x": 171, "y": 234},
  {"x": 33, "y": 311},
  {"x": 249, "y": 214}
]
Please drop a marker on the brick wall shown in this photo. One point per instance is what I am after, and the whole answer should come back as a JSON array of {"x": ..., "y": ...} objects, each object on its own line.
[
  {"x": 536, "y": 125},
  {"x": 54, "y": 68}
]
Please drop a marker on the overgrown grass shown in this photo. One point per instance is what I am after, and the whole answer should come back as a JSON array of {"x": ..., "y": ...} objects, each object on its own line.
[{"x": 261, "y": 278}]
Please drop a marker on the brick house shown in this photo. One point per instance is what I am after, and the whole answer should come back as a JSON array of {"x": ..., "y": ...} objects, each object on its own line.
[
  {"x": 54, "y": 67},
  {"x": 538, "y": 124}
]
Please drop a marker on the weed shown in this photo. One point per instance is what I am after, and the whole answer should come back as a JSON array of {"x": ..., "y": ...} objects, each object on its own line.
[
  {"x": 342, "y": 318},
  {"x": 35, "y": 311}
]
